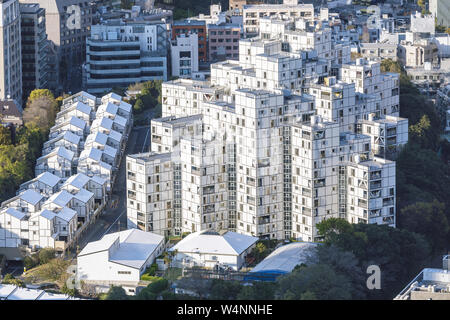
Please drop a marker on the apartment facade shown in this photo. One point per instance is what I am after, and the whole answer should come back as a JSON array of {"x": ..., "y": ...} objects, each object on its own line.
[
  {"x": 184, "y": 54},
  {"x": 34, "y": 48},
  {"x": 10, "y": 47},
  {"x": 223, "y": 41},
  {"x": 120, "y": 54},
  {"x": 187, "y": 27}
]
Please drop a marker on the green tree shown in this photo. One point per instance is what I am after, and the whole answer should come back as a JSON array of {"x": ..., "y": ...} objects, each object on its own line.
[
  {"x": 158, "y": 286},
  {"x": 428, "y": 219},
  {"x": 257, "y": 291},
  {"x": 5, "y": 135},
  {"x": 46, "y": 254},
  {"x": 318, "y": 280},
  {"x": 400, "y": 254},
  {"x": 138, "y": 106},
  {"x": 116, "y": 293}
]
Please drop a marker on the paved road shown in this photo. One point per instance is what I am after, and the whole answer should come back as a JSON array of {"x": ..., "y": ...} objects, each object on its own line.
[{"x": 114, "y": 216}]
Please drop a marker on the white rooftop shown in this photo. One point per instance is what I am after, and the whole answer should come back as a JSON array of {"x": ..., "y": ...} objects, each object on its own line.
[
  {"x": 83, "y": 195},
  {"x": 6, "y": 290},
  {"x": 25, "y": 294},
  {"x": 15, "y": 213},
  {"x": 47, "y": 214},
  {"x": 125, "y": 106},
  {"x": 92, "y": 153},
  {"x": 135, "y": 246},
  {"x": 31, "y": 196},
  {"x": 98, "y": 137},
  {"x": 78, "y": 180},
  {"x": 48, "y": 179},
  {"x": 285, "y": 258},
  {"x": 66, "y": 214},
  {"x": 120, "y": 120},
  {"x": 61, "y": 198},
  {"x": 115, "y": 135},
  {"x": 213, "y": 243}
]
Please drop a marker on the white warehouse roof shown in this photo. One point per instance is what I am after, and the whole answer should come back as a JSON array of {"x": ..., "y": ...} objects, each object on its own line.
[
  {"x": 285, "y": 258},
  {"x": 135, "y": 247},
  {"x": 211, "y": 242}
]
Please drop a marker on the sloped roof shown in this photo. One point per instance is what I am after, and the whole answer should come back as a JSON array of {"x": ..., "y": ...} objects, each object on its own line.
[
  {"x": 48, "y": 179},
  {"x": 83, "y": 195},
  {"x": 61, "y": 198},
  {"x": 285, "y": 258},
  {"x": 135, "y": 246},
  {"x": 66, "y": 214},
  {"x": 31, "y": 196},
  {"x": 15, "y": 213},
  {"x": 78, "y": 180},
  {"x": 230, "y": 243}
]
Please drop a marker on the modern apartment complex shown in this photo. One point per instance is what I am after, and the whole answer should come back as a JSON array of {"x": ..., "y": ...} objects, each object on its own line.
[
  {"x": 10, "y": 49},
  {"x": 120, "y": 54},
  {"x": 34, "y": 48},
  {"x": 272, "y": 144}
]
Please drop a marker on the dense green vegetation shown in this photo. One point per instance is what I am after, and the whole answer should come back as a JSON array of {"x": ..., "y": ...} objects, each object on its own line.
[
  {"x": 423, "y": 171},
  {"x": 148, "y": 100},
  {"x": 20, "y": 149}
]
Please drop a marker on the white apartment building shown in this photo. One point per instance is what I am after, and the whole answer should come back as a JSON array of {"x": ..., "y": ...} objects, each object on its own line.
[
  {"x": 184, "y": 54},
  {"x": 266, "y": 146},
  {"x": 121, "y": 53},
  {"x": 253, "y": 13}
]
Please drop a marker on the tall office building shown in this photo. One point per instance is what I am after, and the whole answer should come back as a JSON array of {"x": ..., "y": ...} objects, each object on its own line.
[
  {"x": 120, "y": 54},
  {"x": 10, "y": 50},
  {"x": 271, "y": 145},
  {"x": 34, "y": 48},
  {"x": 68, "y": 24}
]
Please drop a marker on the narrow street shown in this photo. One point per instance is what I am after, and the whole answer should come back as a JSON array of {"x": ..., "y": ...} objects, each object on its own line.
[{"x": 114, "y": 217}]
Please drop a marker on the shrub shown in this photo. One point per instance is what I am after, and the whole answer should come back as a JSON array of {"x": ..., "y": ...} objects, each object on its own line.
[
  {"x": 45, "y": 255},
  {"x": 158, "y": 286}
]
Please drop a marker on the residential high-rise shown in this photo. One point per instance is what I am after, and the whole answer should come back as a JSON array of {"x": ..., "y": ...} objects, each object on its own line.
[
  {"x": 34, "y": 48},
  {"x": 273, "y": 143},
  {"x": 10, "y": 50}
]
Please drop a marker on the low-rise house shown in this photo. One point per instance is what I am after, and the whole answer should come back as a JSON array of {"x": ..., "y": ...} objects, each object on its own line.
[
  {"x": 28, "y": 202},
  {"x": 58, "y": 162},
  {"x": 429, "y": 284},
  {"x": 67, "y": 139},
  {"x": 92, "y": 163},
  {"x": 94, "y": 184},
  {"x": 82, "y": 96},
  {"x": 54, "y": 228},
  {"x": 46, "y": 184},
  {"x": 12, "y": 222},
  {"x": 74, "y": 124},
  {"x": 77, "y": 109},
  {"x": 210, "y": 249},
  {"x": 119, "y": 258}
]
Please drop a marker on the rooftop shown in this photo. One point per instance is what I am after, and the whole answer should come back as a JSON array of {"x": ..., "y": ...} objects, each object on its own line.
[
  {"x": 210, "y": 242},
  {"x": 286, "y": 258}
]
